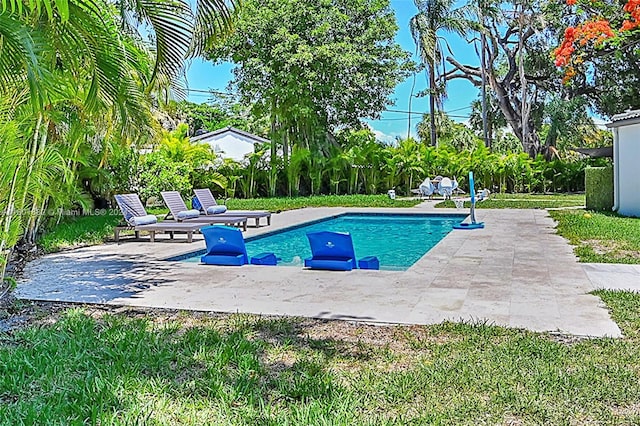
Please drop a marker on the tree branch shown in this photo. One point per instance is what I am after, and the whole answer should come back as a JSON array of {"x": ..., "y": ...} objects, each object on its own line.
[{"x": 466, "y": 69}]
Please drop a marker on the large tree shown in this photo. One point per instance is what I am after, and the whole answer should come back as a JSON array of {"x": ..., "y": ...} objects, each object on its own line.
[
  {"x": 314, "y": 66},
  {"x": 517, "y": 71}
]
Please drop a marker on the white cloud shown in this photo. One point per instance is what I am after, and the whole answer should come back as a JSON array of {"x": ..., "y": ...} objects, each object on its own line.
[{"x": 383, "y": 137}]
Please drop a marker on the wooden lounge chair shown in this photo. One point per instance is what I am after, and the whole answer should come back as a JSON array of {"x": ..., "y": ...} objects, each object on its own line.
[
  {"x": 179, "y": 212},
  {"x": 137, "y": 220},
  {"x": 208, "y": 203}
]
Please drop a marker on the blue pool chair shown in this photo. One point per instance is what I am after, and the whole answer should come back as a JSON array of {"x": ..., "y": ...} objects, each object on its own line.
[
  {"x": 225, "y": 246},
  {"x": 332, "y": 251}
]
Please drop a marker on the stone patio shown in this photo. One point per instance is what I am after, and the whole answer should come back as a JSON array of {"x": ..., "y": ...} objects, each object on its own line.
[{"x": 516, "y": 272}]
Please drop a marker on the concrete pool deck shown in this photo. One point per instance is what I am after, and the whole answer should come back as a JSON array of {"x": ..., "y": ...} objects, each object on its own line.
[{"x": 516, "y": 272}]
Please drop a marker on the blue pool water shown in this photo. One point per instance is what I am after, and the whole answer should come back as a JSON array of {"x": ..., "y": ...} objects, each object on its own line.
[{"x": 397, "y": 240}]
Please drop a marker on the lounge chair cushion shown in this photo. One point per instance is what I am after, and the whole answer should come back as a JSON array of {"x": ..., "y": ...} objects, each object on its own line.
[
  {"x": 216, "y": 209},
  {"x": 188, "y": 214},
  {"x": 142, "y": 220}
]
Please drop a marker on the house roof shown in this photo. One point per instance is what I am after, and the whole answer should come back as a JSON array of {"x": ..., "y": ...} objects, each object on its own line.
[
  {"x": 626, "y": 118},
  {"x": 229, "y": 129}
]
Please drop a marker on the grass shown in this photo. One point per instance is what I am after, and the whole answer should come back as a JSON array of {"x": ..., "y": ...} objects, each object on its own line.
[
  {"x": 600, "y": 237},
  {"x": 524, "y": 201},
  {"x": 283, "y": 203},
  {"x": 95, "y": 229},
  {"x": 195, "y": 369}
]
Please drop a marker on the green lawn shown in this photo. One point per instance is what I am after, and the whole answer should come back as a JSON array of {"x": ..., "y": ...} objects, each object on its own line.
[
  {"x": 600, "y": 237},
  {"x": 524, "y": 201},
  {"x": 283, "y": 203},
  {"x": 193, "y": 369}
]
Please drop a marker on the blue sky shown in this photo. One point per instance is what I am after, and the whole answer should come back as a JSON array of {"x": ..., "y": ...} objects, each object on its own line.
[{"x": 203, "y": 75}]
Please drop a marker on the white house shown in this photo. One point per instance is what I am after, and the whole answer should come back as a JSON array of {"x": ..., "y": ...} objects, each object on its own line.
[
  {"x": 230, "y": 142},
  {"x": 626, "y": 163}
]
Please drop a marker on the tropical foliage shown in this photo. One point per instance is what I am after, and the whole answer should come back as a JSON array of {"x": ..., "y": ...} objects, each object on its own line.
[
  {"x": 359, "y": 164},
  {"x": 177, "y": 164},
  {"x": 77, "y": 81}
]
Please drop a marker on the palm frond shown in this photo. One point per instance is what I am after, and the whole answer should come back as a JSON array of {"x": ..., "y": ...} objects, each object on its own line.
[
  {"x": 22, "y": 10},
  {"x": 172, "y": 24},
  {"x": 214, "y": 21},
  {"x": 19, "y": 57},
  {"x": 425, "y": 38}
]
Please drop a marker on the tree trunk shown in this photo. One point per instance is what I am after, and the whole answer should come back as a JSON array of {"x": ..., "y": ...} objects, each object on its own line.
[
  {"x": 285, "y": 160},
  {"x": 7, "y": 219},
  {"x": 273, "y": 172},
  {"x": 522, "y": 127},
  {"x": 432, "y": 105}
]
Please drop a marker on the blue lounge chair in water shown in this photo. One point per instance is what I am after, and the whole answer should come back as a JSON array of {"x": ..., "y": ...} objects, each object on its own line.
[
  {"x": 334, "y": 251},
  {"x": 225, "y": 247}
]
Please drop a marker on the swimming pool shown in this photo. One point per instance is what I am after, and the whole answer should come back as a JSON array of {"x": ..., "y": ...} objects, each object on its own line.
[{"x": 398, "y": 240}]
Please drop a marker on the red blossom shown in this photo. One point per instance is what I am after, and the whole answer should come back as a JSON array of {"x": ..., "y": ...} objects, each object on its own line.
[{"x": 595, "y": 33}]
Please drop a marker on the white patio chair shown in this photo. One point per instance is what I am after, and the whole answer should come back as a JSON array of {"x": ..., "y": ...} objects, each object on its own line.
[{"x": 426, "y": 188}]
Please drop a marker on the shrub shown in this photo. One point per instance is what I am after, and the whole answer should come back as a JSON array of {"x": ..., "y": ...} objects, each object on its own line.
[
  {"x": 159, "y": 173},
  {"x": 599, "y": 188}
]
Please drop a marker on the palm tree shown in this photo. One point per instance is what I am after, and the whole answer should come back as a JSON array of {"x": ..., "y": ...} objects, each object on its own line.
[
  {"x": 373, "y": 153},
  {"x": 255, "y": 160},
  {"x": 80, "y": 64},
  {"x": 435, "y": 16},
  {"x": 317, "y": 170}
]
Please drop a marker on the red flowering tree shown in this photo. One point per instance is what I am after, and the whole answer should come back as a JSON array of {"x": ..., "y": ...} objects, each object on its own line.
[
  {"x": 596, "y": 33},
  {"x": 599, "y": 53}
]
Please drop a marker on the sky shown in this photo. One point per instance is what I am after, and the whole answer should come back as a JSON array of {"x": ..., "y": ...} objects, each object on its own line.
[{"x": 203, "y": 75}]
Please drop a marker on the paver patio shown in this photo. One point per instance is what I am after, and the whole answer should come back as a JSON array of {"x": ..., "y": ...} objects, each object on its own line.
[{"x": 516, "y": 272}]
